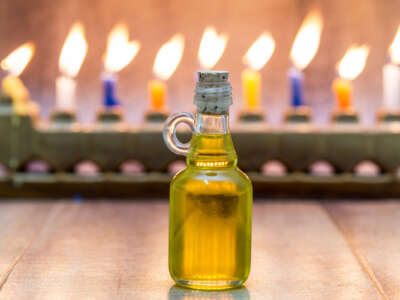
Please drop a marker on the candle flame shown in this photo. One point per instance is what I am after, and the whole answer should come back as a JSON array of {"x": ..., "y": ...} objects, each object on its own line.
[
  {"x": 17, "y": 60},
  {"x": 120, "y": 51},
  {"x": 306, "y": 43},
  {"x": 260, "y": 52},
  {"x": 73, "y": 51},
  {"x": 212, "y": 46},
  {"x": 168, "y": 57},
  {"x": 394, "y": 49},
  {"x": 353, "y": 62}
]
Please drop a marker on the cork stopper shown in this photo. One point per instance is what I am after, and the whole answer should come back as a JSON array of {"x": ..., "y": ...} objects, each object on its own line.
[{"x": 213, "y": 94}]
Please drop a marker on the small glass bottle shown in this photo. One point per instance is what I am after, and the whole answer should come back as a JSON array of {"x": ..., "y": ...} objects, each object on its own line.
[{"x": 211, "y": 199}]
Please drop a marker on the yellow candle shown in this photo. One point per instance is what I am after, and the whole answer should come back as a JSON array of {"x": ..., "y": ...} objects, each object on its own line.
[
  {"x": 251, "y": 82},
  {"x": 157, "y": 94},
  {"x": 343, "y": 92},
  {"x": 13, "y": 87}
]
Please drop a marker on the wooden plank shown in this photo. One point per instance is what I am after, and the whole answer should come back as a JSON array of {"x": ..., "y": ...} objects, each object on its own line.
[
  {"x": 373, "y": 231},
  {"x": 20, "y": 223},
  {"x": 103, "y": 250},
  {"x": 97, "y": 251},
  {"x": 299, "y": 254}
]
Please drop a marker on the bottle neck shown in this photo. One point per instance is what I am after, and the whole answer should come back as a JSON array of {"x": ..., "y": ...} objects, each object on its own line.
[
  {"x": 211, "y": 146},
  {"x": 211, "y": 124}
]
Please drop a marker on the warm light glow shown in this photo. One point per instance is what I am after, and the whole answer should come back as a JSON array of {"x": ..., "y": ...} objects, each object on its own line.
[
  {"x": 17, "y": 60},
  {"x": 306, "y": 43},
  {"x": 394, "y": 49},
  {"x": 168, "y": 57},
  {"x": 120, "y": 51},
  {"x": 212, "y": 46},
  {"x": 211, "y": 164},
  {"x": 353, "y": 62},
  {"x": 260, "y": 52},
  {"x": 74, "y": 51}
]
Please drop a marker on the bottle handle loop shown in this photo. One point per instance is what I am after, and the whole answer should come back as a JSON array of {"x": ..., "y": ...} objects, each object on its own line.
[{"x": 169, "y": 132}]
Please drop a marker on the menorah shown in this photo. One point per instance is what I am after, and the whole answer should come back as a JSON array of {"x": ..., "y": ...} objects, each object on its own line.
[{"x": 111, "y": 142}]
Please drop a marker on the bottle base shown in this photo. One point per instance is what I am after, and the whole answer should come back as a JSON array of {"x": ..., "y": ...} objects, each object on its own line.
[{"x": 209, "y": 284}]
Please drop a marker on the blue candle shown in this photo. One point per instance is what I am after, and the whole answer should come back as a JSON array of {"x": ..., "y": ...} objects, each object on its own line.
[
  {"x": 296, "y": 86},
  {"x": 109, "y": 85}
]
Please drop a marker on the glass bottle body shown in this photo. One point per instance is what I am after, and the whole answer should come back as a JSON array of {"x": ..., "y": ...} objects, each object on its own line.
[{"x": 210, "y": 212}]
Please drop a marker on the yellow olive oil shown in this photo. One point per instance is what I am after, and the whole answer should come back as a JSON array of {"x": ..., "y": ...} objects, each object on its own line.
[{"x": 210, "y": 217}]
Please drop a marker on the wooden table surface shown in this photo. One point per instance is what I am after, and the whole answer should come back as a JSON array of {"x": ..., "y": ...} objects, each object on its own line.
[{"x": 118, "y": 250}]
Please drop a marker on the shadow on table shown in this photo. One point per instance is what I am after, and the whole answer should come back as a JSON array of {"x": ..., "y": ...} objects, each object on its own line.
[{"x": 178, "y": 293}]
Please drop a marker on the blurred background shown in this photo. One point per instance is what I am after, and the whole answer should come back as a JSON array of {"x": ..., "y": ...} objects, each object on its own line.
[{"x": 153, "y": 22}]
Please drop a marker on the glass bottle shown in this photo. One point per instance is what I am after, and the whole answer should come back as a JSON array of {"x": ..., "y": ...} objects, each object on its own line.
[{"x": 211, "y": 199}]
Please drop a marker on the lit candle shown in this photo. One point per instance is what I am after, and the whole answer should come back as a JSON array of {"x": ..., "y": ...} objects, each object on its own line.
[
  {"x": 304, "y": 48},
  {"x": 212, "y": 46},
  {"x": 12, "y": 86},
  {"x": 71, "y": 58},
  {"x": 391, "y": 76},
  {"x": 120, "y": 52},
  {"x": 350, "y": 66},
  {"x": 255, "y": 58},
  {"x": 165, "y": 63}
]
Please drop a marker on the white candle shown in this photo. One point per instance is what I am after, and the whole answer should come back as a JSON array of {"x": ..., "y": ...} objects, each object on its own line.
[
  {"x": 391, "y": 86},
  {"x": 391, "y": 76},
  {"x": 71, "y": 58},
  {"x": 65, "y": 93}
]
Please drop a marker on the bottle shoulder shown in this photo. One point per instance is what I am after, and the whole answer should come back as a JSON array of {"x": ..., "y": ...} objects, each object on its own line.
[{"x": 204, "y": 177}]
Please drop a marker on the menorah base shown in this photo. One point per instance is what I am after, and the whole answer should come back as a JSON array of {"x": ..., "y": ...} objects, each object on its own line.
[
  {"x": 345, "y": 117},
  {"x": 251, "y": 116},
  {"x": 301, "y": 114},
  {"x": 388, "y": 116},
  {"x": 156, "y": 116},
  {"x": 112, "y": 115}
]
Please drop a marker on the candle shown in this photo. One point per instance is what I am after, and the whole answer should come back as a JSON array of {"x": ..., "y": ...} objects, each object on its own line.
[
  {"x": 158, "y": 95},
  {"x": 350, "y": 66},
  {"x": 109, "y": 86},
  {"x": 71, "y": 58},
  {"x": 255, "y": 58},
  {"x": 296, "y": 79},
  {"x": 343, "y": 92},
  {"x": 212, "y": 46},
  {"x": 14, "y": 64},
  {"x": 165, "y": 64},
  {"x": 251, "y": 85},
  {"x": 391, "y": 76},
  {"x": 120, "y": 52},
  {"x": 304, "y": 48}
]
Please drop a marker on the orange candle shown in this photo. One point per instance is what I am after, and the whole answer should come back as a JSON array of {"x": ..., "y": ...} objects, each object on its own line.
[
  {"x": 157, "y": 94},
  {"x": 349, "y": 67},
  {"x": 343, "y": 91}
]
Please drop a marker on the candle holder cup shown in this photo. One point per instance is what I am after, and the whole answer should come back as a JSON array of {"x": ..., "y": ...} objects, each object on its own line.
[
  {"x": 251, "y": 115},
  {"x": 385, "y": 116},
  {"x": 6, "y": 103},
  {"x": 63, "y": 116},
  {"x": 300, "y": 114},
  {"x": 110, "y": 115},
  {"x": 156, "y": 116},
  {"x": 348, "y": 116}
]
